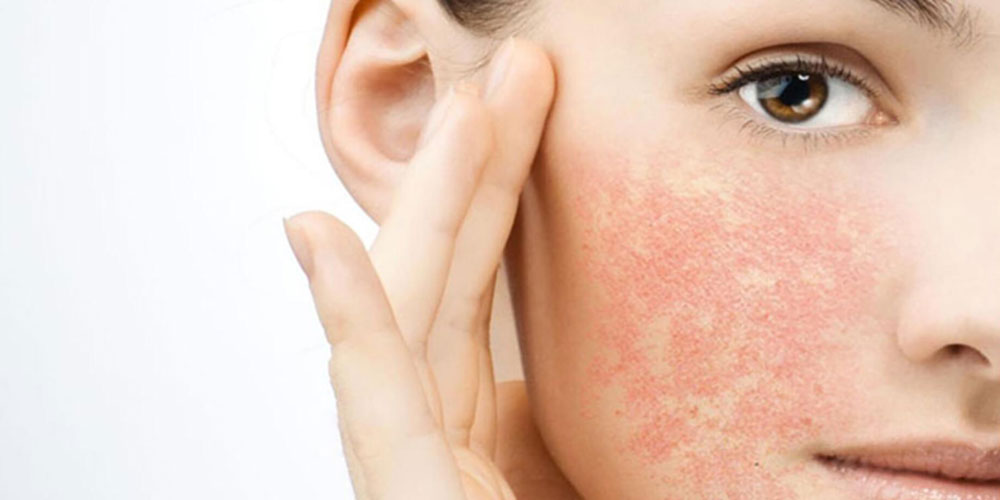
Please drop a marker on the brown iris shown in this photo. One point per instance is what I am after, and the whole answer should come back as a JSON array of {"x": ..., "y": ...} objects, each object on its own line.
[{"x": 793, "y": 97}]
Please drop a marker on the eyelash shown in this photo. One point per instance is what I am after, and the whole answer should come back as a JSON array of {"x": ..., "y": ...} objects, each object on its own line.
[{"x": 759, "y": 71}]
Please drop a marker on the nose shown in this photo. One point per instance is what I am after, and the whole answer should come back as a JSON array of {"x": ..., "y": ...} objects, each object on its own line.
[
  {"x": 954, "y": 320},
  {"x": 951, "y": 312}
]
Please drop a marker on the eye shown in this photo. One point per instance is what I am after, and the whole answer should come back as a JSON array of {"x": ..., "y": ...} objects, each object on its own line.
[
  {"x": 808, "y": 100},
  {"x": 807, "y": 97}
]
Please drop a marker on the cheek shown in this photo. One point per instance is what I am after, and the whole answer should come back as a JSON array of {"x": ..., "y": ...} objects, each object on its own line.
[{"x": 729, "y": 296}]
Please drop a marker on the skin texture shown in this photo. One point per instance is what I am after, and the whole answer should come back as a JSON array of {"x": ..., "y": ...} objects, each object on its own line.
[
  {"x": 706, "y": 301},
  {"x": 719, "y": 301},
  {"x": 702, "y": 310}
]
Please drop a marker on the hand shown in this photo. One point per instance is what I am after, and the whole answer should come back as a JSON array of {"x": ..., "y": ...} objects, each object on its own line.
[{"x": 408, "y": 320}]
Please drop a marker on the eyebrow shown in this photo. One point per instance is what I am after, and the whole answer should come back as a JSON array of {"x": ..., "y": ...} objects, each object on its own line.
[{"x": 942, "y": 16}]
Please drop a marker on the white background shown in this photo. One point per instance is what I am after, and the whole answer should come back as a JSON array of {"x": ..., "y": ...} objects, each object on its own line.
[{"x": 157, "y": 339}]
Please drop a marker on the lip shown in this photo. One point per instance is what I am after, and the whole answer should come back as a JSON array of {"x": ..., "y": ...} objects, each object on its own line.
[{"x": 918, "y": 471}]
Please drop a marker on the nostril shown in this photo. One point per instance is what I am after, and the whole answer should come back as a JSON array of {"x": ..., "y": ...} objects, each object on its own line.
[
  {"x": 954, "y": 350},
  {"x": 960, "y": 333},
  {"x": 962, "y": 352}
]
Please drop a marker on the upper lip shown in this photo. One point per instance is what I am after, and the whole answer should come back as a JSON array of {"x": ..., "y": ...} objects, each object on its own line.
[{"x": 946, "y": 460}]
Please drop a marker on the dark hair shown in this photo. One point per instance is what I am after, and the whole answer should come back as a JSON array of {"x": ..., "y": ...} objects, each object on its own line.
[{"x": 483, "y": 16}]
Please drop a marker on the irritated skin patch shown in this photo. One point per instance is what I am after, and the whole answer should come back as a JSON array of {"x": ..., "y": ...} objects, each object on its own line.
[{"x": 728, "y": 291}]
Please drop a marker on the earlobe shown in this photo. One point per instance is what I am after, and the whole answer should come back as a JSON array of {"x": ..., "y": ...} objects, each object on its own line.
[{"x": 375, "y": 88}]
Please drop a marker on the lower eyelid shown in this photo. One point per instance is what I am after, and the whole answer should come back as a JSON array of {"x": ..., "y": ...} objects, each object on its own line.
[{"x": 749, "y": 124}]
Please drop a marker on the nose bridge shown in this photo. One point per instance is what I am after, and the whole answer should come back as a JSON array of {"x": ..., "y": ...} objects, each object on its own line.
[{"x": 954, "y": 304}]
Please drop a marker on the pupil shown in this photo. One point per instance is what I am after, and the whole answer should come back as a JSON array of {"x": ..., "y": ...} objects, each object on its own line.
[{"x": 796, "y": 91}]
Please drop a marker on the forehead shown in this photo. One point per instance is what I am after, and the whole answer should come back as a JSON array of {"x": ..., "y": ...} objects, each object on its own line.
[
  {"x": 645, "y": 38},
  {"x": 962, "y": 21}
]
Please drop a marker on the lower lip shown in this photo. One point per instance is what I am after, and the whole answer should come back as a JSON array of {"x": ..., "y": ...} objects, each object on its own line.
[{"x": 881, "y": 484}]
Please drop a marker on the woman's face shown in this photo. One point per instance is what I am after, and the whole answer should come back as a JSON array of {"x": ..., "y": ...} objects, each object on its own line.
[{"x": 761, "y": 238}]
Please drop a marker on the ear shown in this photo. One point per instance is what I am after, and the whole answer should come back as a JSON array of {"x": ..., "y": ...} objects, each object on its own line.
[{"x": 377, "y": 80}]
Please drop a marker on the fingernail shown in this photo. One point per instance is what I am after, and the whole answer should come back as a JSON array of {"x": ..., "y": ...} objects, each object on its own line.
[
  {"x": 436, "y": 117},
  {"x": 501, "y": 63},
  {"x": 300, "y": 247}
]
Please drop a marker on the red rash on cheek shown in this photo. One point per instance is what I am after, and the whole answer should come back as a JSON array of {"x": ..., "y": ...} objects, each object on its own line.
[{"x": 730, "y": 294}]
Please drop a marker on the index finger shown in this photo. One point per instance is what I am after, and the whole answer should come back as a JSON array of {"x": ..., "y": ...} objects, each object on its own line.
[{"x": 413, "y": 250}]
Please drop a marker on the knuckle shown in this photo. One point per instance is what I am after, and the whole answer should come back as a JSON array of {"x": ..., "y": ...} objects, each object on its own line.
[
  {"x": 337, "y": 298},
  {"x": 360, "y": 362},
  {"x": 460, "y": 315}
]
